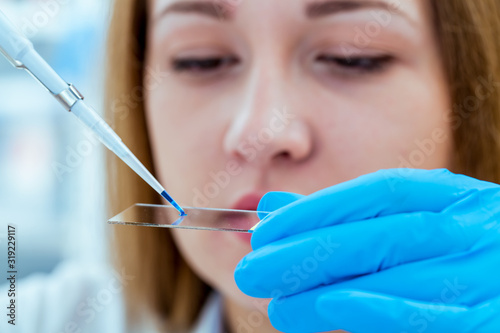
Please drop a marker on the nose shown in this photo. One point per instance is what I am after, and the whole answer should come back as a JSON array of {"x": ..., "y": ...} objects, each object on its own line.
[{"x": 266, "y": 128}]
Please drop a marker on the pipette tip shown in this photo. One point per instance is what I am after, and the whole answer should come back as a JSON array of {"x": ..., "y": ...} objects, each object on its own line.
[{"x": 175, "y": 204}]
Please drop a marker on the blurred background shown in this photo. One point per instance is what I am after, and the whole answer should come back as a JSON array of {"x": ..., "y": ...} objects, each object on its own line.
[{"x": 51, "y": 169}]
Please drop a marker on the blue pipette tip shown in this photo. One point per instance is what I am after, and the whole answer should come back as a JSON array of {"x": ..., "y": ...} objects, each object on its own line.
[{"x": 175, "y": 204}]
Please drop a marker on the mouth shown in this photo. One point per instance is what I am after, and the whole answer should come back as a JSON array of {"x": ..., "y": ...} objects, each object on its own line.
[
  {"x": 241, "y": 216},
  {"x": 248, "y": 201}
]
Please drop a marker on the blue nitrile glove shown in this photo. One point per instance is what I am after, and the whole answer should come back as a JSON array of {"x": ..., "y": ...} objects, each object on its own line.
[{"x": 394, "y": 251}]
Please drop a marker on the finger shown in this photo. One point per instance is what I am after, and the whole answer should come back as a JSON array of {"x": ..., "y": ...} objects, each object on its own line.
[
  {"x": 343, "y": 252},
  {"x": 298, "y": 314},
  {"x": 359, "y": 312},
  {"x": 272, "y": 201},
  {"x": 437, "y": 283},
  {"x": 382, "y": 193},
  {"x": 486, "y": 316},
  {"x": 468, "y": 277}
]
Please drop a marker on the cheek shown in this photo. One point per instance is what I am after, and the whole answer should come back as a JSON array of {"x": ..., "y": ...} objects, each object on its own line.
[
  {"x": 421, "y": 134},
  {"x": 398, "y": 127},
  {"x": 183, "y": 138}
]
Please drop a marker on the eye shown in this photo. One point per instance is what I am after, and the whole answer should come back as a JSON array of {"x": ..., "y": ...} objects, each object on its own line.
[
  {"x": 197, "y": 65},
  {"x": 357, "y": 65}
]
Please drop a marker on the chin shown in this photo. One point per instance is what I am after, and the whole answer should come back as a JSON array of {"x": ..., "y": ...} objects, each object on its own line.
[{"x": 230, "y": 291}]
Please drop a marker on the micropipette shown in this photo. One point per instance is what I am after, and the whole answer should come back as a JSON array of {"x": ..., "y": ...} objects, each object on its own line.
[{"x": 20, "y": 52}]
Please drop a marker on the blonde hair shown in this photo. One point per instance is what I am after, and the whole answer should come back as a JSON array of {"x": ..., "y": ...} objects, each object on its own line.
[{"x": 467, "y": 32}]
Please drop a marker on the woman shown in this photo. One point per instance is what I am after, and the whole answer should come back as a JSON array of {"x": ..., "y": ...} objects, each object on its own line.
[{"x": 228, "y": 100}]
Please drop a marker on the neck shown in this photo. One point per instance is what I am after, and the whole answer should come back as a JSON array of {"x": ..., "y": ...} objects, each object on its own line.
[{"x": 241, "y": 319}]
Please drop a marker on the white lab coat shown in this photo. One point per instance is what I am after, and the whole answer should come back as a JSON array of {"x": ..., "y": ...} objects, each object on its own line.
[{"x": 80, "y": 299}]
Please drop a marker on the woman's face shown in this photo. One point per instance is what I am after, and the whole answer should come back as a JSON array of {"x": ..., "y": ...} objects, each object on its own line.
[{"x": 251, "y": 96}]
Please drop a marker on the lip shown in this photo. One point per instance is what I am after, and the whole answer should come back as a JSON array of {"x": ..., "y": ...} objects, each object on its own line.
[{"x": 248, "y": 201}]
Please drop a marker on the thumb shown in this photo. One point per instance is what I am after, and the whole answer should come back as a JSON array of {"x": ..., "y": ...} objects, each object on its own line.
[{"x": 272, "y": 201}]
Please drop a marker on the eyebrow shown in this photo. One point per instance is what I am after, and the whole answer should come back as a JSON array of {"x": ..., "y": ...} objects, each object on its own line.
[
  {"x": 321, "y": 9},
  {"x": 220, "y": 10},
  {"x": 213, "y": 8}
]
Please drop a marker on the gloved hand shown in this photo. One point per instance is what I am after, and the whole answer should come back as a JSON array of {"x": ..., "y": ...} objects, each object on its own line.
[{"x": 398, "y": 250}]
